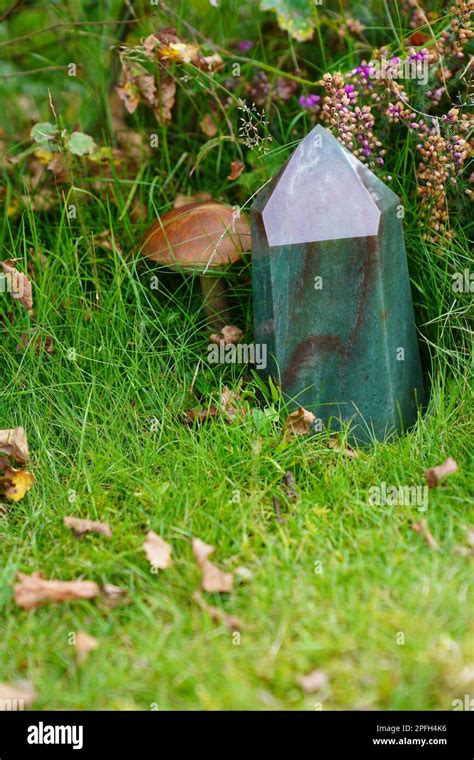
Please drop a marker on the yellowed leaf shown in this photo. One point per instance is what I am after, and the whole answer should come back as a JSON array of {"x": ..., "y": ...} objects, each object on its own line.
[
  {"x": 33, "y": 590},
  {"x": 80, "y": 526},
  {"x": 157, "y": 551},
  {"x": 213, "y": 579},
  {"x": 15, "y": 483}
]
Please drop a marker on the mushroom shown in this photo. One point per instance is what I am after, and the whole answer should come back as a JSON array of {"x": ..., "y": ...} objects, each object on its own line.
[{"x": 203, "y": 238}]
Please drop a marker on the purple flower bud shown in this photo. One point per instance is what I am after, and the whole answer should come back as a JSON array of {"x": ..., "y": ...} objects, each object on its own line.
[
  {"x": 308, "y": 101},
  {"x": 245, "y": 45}
]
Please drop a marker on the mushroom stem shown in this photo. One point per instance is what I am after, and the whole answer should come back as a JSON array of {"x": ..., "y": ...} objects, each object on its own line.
[{"x": 215, "y": 298}]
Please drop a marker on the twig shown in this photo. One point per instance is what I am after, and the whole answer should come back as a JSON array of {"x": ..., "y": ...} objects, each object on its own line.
[{"x": 14, "y": 7}]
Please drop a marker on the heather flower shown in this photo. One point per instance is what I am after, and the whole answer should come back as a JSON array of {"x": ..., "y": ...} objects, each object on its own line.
[
  {"x": 309, "y": 101},
  {"x": 245, "y": 45}
]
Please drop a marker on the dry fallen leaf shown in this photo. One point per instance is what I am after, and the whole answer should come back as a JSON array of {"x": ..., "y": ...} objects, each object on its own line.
[
  {"x": 208, "y": 126},
  {"x": 229, "y": 401},
  {"x": 217, "y": 615},
  {"x": 313, "y": 682},
  {"x": 84, "y": 645},
  {"x": 422, "y": 528},
  {"x": 39, "y": 342},
  {"x": 229, "y": 334},
  {"x": 80, "y": 526},
  {"x": 166, "y": 99},
  {"x": 336, "y": 444},
  {"x": 113, "y": 595},
  {"x": 213, "y": 579},
  {"x": 18, "y": 284},
  {"x": 15, "y": 483},
  {"x": 13, "y": 443},
  {"x": 33, "y": 590},
  {"x": 299, "y": 422},
  {"x": 435, "y": 474},
  {"x": 16, "y": 697},
  {"x": 157, "y": 551},
  {"x": 201, "y": 415},
  {"x": 236, "y": 169}
]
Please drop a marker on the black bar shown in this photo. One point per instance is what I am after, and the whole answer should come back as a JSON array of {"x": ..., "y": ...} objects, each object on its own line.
[{"x": 132, "y": 734}]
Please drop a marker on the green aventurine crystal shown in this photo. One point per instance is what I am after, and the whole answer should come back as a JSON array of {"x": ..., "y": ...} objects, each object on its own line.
[{"x": 332, "y": 300}]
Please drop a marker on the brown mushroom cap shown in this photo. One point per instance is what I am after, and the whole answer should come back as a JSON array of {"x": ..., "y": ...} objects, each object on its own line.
[{"x": 197, "y": 236}]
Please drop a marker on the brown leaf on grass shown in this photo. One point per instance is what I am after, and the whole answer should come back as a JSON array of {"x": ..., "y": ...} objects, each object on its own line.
[
  {"x": 18, "y": 284},
  {"x": 80, "y": 526},
  {"x": 113, "y": 595},
  {"x": 16, "y": 697},
  {"x": 236, "y": 169},
  {"x": 229, "y": 401},
  {"x": 213, "y": 579},
  {"x": 166, "y": 100},
  {"x": 208, "y": 126},
  {"x": 435, "y": 474},
  {"x": 33, "y": 590},
  {"x": 299, "y": 422},
  {"x": 336, "y": 444},
  {"x": 313, "y": 681},
  {"x": 13, "y": 443},
  {"x": 185, "y": 200},
  {"x": 422, "y": 528},
  {"x": 201, "y": 415},
  {"x": 137, "y": 86},
  {"x": 157, "y": 551},
  {"x": 217, "y": 615},
  {"x": 229, "y": 334},
  {"x": 130, "y": 95},
  {"x": 85, "y": 644},
  {"x": 15, "y": 483},
  {"x": 38, "y": 341},
  {"x": 165, "y": 36},
  {"x": 167, "y": 47}
]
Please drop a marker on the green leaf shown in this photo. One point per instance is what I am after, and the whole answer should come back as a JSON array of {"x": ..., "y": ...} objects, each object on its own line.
[
  {"x": 80, "y": 144},
  {"x": 45, "y": 134},
  {"x": 294, "y": 16},
  {"x": 264, "y": 419}
]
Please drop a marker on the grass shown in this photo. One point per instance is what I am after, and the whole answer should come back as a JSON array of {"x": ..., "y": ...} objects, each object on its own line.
[{"x": 335, "y": 583}]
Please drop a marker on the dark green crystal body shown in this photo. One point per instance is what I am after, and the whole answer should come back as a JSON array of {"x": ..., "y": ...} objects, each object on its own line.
[{"x": 332, "y": 298}]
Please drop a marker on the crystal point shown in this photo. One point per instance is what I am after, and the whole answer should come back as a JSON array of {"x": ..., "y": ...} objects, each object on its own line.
[{"x": 332, "y": 298}]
